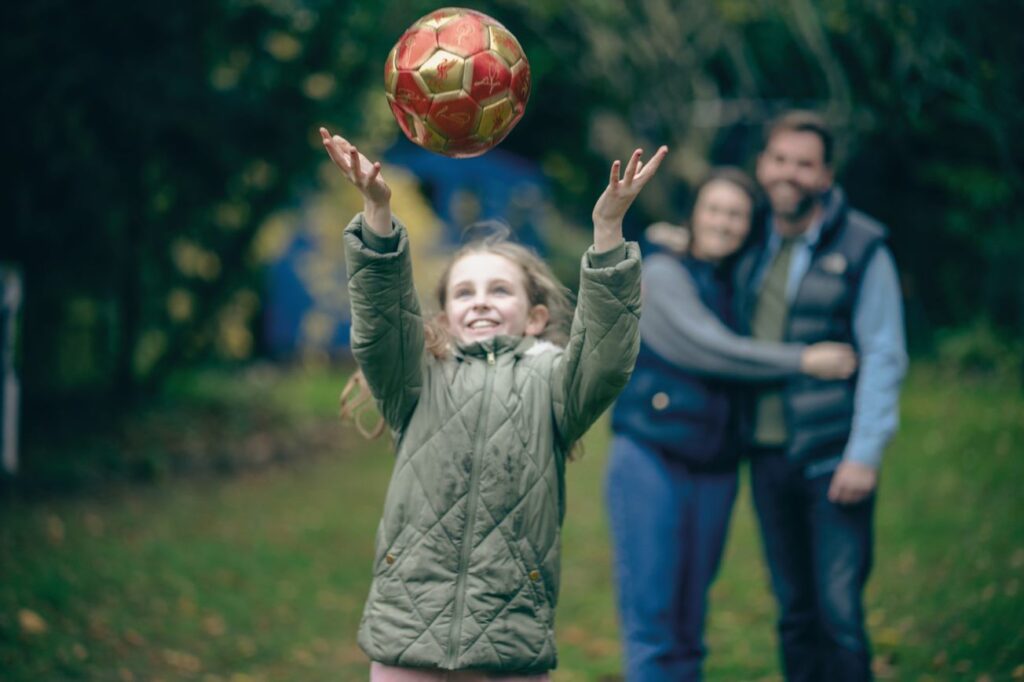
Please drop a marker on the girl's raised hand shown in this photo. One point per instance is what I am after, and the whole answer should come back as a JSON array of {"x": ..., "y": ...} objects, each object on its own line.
[
  {"x": 618, "y": 196},
  {"x": 365, "y": 176}
]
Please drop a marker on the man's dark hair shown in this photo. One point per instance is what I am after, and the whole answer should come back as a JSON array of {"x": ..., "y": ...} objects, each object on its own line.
[{"x": 801, "y": 121}]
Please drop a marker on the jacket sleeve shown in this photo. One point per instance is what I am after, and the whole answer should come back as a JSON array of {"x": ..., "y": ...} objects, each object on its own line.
[
  {"x": 680, "y": 328},
  {"x": 604, "y": 340},
  {"x": 387, "y": 325}
]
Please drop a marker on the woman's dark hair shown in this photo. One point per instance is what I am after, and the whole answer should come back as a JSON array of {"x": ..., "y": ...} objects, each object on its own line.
[{"x": 730, "y": 174}]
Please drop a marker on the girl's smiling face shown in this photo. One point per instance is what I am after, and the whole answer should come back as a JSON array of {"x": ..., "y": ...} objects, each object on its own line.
[{"x": 486, "y": 297}]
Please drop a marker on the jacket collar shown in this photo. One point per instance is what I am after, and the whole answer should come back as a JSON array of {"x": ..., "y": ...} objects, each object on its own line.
[{"x": 498, "y": 345}]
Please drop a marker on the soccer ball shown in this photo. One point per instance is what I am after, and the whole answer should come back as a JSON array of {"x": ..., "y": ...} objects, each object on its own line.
[{"x": 457, "y": 82}]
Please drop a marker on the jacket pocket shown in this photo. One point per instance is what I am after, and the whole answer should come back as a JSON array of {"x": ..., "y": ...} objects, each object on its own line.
[{"x": 537, "y": 583}]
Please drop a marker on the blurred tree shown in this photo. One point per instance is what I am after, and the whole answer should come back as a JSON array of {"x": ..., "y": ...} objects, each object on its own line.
[
  {"x": 149, "y": 143},
  {"x": 927, "y": 98}
]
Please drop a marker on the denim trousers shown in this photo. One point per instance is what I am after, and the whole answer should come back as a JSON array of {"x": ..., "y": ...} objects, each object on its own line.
[
  {"x": 668, "y": 528},
  {"x": 819, "y": 555}
]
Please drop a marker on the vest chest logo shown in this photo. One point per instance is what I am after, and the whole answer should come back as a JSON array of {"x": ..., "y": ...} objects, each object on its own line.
[{"x": 834, "y": 264}]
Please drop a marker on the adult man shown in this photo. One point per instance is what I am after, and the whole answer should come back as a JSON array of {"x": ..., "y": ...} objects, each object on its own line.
[{"x": 819, "y": 270}]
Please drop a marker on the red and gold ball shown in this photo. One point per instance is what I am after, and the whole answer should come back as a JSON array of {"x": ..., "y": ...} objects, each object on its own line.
[{"x": 457, "y": 82}]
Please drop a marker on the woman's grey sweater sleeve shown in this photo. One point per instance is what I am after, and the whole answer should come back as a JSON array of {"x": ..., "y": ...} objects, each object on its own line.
[{"x": 679, "y": 327}]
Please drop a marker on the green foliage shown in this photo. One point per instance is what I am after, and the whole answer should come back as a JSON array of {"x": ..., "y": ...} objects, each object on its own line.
[
  {"x": 150, "y": 143},
  {"x": 980, "y": 350}
]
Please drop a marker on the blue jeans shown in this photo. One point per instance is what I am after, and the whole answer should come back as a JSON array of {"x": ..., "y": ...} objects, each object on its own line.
[
  {"x": 819, "y": 555},
  {"x": 668, "y": 530}
]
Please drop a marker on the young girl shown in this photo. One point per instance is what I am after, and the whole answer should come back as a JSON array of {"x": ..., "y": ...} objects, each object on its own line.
[{"x": 466, "y": 571}]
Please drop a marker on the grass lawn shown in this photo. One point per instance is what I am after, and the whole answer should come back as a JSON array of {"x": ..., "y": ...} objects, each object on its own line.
[{"x": 261, "y": 575}]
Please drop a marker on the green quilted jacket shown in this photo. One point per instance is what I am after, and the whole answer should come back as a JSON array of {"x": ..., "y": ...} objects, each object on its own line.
[{"x": 466, "y": 570}]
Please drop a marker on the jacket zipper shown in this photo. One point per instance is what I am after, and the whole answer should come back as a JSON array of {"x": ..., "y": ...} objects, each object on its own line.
[{"x": 455, "y": 633}]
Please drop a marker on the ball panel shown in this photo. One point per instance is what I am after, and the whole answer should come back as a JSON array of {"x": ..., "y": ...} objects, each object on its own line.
[
  {"x": 427, "y": 137},
  {"x": 443, "y": 72},
  {"x": 494, "y": 119},
  {"x": 390, "y": 72},
  {"x": 520, "y": 87},
  {"x": 455, "y": 115},
  {"x": 505, "y": 44},
  {"x": 439, "y": 18},
  {"x": 411, "y": 93},
  {"x": 466, "y": 148},
  {"x": 405, "y": 121},
  {"x": 414, "y": 47},
  {"x": 491, "y": 77},
  {"x": 465, "y": 36}
]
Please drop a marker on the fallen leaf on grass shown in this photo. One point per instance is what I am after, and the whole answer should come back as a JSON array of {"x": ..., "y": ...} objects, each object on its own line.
[
  {"x": 214, "y": 625},
  {"x": 31, "y": 622},
  {"x": 574, "y": 635},
  {"x": 93, "y": 524},
  {"x": 601, "y": 646},
  {"x": 884, "y": 665},
  {"x": 134, "y": 638},
  {"x": 54, "y": 529},
  {"x": 187, "y": 606},
  {"x": 246, "y": 646},
  {"x": 183, "y": 661},
  {"x": 889, "y": 636}
]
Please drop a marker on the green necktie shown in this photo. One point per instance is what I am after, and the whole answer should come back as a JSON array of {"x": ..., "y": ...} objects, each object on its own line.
[{"x": 769, "y": 324}]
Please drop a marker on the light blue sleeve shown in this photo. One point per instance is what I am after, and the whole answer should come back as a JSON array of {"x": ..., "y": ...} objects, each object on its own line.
[{"x": 882, "y": 348}]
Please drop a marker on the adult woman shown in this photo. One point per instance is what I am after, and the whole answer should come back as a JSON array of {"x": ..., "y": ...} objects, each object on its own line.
[{"x": 672, "y": 476}]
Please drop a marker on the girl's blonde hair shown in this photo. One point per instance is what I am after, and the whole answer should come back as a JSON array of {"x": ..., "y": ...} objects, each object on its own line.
[{"x": 542, "y": 288}]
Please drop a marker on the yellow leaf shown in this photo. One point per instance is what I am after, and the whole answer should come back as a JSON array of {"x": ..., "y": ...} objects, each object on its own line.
[
  {"x": 31, "y": 622},
  {"x": 183, "y": 661},
  {"x": 54, "y": 529}
]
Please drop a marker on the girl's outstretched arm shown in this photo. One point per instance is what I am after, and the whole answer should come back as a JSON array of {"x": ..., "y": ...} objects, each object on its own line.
[
  {"x": 605, "y": 339},
  {"x": 618, "y": 196},
  {"x": 366, "y": 177},
  {"x": 387, "y": 325}
]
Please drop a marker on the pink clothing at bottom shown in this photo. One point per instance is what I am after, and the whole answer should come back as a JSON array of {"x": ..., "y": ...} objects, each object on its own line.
[{"x": 388, "y": 673}]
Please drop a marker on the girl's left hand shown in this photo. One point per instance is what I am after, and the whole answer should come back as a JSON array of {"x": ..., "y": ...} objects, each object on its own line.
[{"x": 618, "y": 196}]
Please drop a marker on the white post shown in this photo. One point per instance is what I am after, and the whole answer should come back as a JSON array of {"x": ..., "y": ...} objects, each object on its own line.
[{"x": 10, "y": 305}]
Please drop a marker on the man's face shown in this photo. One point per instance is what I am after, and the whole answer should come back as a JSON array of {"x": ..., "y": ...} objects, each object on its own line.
[{"x": 793, "y": 173}]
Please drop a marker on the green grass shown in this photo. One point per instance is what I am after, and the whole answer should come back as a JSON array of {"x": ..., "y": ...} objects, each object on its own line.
[{"x": 261, "y": 575}]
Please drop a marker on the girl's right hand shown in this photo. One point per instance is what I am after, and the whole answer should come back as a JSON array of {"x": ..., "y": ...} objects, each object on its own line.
[
  {"x": 365, "y": 176},
  {"x": 829, "y": 360}
]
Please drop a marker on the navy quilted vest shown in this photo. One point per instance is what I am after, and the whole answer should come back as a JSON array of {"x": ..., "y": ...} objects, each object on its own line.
[{"x": 819, "y": 413}]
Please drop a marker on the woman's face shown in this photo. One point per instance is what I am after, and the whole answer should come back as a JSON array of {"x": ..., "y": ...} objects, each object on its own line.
[{"x": 721, "y": 220}]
